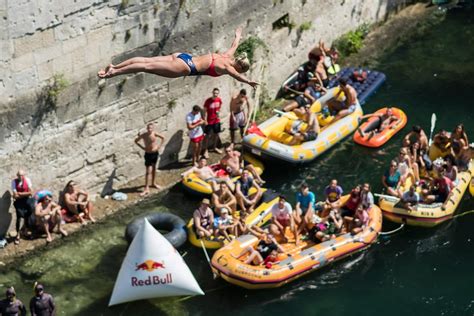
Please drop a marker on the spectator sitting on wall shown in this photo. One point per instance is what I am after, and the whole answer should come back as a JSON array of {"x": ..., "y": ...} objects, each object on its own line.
[
  {"x": 46, "y": 217},
  {"x": 77, "y": 203}
]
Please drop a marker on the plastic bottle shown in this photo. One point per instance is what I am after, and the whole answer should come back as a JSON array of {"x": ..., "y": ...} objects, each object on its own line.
[{"x": 325, "y": 112}]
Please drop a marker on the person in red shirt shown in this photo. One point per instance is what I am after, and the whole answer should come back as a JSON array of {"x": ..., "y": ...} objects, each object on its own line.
[{"x": 212, "y": 106}]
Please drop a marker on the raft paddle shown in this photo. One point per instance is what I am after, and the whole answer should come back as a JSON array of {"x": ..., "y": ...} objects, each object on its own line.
[
  {"x": 433, "y": 123},
  {"x": 207, "y": 258}
]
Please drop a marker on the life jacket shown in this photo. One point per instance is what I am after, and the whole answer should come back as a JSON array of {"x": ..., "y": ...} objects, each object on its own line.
[{"x": 24, "y": 185}]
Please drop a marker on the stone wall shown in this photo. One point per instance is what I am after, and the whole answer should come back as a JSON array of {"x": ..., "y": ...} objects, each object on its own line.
[{"x": 86, "y": 132}]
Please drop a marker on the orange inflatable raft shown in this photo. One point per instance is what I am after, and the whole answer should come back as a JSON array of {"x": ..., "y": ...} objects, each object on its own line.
[
  {"x": 381, "y": 138},
  {"x": 297, "y": 261}
]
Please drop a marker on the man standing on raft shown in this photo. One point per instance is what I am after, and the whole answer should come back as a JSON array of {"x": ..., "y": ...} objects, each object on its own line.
[{"x": 183, "y": 64}]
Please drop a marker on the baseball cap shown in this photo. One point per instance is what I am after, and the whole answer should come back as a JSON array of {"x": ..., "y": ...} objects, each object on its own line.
[{"x": 206, "y": 201}]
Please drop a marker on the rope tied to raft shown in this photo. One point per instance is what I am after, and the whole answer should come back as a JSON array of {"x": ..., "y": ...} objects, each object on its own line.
[{"x": 392, "y": 231}]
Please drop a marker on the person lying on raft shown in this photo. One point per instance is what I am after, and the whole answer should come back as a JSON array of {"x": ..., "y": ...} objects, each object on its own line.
[
  {"x": 265, "y": 247},
  {"x": 183, "y": 64},
  {"x": 410, "y": 198},
  {"x": 205, "y": 173},
  {"x": 224, "y": 224},
  {"x": 232, "y": 163},
  {"x": 346, "y": 107},
  {"x": 243, "y": 185},
  {"x": 313, "y": 92},
  {"x": 358, "y": 222},
  {"x": 282, "y": 217},
  {"x": 223, "y": 198},
  {"x": 312, "y": 131},
  {"x": 203, "y": 218},
  {"x": 383, "y": 122}
]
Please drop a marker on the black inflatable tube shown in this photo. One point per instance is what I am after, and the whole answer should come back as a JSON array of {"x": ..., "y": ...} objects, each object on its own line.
[{"x": 175, "y": 225}]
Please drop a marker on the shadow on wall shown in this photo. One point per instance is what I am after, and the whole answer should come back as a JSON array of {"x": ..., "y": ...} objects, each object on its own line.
[
  {"x": 5, "y": 216},
  {"x": 172, "y": 149},
  {"x": 108, "y": 188}
]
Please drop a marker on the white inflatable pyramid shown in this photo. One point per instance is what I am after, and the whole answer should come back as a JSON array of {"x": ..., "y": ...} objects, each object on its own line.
[{"x": 152, "y": 268}]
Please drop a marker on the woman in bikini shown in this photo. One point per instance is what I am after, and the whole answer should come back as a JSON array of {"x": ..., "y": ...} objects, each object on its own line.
[{"x": 183, "y": 64}]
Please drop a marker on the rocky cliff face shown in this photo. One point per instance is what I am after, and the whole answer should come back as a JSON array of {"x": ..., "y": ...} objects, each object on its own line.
[{"x": 58, "y": 123}]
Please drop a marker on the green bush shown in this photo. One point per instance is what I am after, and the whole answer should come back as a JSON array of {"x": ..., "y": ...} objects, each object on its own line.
[
  {"x": 56, "y": 85},
  {"x": 305, "y": 26},
  {"x": 352, "y": 42},
  {"x": 249, "y": 46}
]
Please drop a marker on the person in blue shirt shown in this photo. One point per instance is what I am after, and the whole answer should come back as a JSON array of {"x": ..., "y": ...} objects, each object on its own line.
[{"x": 304, "y": 209}]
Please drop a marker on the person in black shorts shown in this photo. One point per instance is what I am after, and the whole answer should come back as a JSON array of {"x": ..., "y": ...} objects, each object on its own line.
[
  {"x": 212, "y": 107},
  {"x": 151, "y": 148}
]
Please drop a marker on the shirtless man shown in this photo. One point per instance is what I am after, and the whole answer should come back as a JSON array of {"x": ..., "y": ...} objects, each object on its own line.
[
  {"x": 151, "y": 148},
  {"x": 442, "y": 140},
  {"x": 311, "y": 133},
  {"x": 47, "y": 216},
  {"x": 232, "y": 164},
  {"x": 77, "y": 202},
  {"x": 417, "y": 134},
  {"x": 346, "y": 107},
  {"x": 238, "y": 117},
  {"x": 223, "y": 198},
  {"x": 384, "y": 121},
  {"x": 204, "y": 172},
  {"x": 321, "y": 73}
]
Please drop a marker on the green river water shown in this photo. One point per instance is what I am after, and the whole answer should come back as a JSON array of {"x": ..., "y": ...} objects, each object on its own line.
[{"x": 416, "y": 271}]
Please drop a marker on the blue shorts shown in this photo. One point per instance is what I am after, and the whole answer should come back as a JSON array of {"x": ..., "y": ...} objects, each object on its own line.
[{"x": 188, "y": 59}]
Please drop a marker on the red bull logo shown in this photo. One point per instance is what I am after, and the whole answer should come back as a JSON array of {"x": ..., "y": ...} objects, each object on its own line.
[{"x": 150, "y": 265}]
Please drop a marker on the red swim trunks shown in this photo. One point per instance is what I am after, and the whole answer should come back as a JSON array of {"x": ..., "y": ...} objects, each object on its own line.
[{"x": 197, "y": 139}]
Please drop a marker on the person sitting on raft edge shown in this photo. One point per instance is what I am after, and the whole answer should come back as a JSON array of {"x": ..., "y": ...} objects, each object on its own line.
[
  {"x": 346, "y": 107},
  {"x": 183, "y": 64}
]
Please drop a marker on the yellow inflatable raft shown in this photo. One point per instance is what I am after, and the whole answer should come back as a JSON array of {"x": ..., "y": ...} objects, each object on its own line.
[
  {"x": 471, "y": 187},
  {"x": 197, "y": 186},
  {"x": 274, "y": 135},
  {"x": 297, "y": 260},
  {"x": 258, "y": 217},
  {"x": 427, "y": 215},
  {"x": 436, "y": 152}
]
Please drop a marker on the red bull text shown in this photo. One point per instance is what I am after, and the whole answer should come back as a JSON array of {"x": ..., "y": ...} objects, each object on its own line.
[{"x": 152, "y": 280}]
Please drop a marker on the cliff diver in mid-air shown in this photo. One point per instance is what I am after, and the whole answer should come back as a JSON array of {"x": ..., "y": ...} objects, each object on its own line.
[{"x": 183, "y": 64}]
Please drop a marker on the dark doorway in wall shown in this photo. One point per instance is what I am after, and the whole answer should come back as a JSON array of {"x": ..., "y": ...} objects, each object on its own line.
[{"x": 282, "y": 22}]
